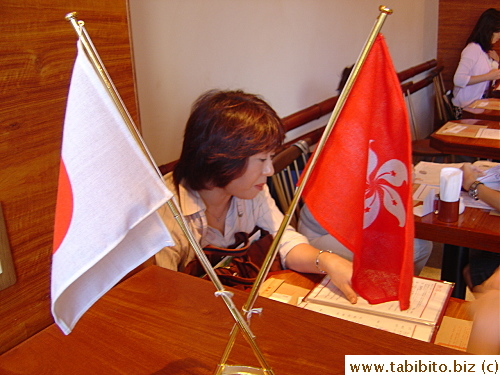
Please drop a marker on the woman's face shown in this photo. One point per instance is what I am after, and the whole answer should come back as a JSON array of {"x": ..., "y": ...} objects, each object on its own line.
[
  {"x": 495, "y": 37},
  {"x": 252, "y": 181}
]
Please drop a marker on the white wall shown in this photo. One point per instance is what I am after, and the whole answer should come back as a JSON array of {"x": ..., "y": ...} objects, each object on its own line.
[{"x": 289, "y": 51}]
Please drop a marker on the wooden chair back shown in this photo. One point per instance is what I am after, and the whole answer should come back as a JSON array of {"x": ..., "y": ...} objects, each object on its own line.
[
  {"x": 288, "y": 166},
  {"x": 421, "y": 148}
]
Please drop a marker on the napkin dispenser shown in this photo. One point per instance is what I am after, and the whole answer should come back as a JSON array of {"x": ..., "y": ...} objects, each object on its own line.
[{"x": 450, "y": 181}]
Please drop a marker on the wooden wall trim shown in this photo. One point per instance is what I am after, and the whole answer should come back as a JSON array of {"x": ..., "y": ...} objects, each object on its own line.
[{"x": 38, "y": 51}]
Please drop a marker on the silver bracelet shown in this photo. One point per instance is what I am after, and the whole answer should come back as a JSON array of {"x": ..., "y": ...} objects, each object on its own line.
[{"x": 317, "y": 259}]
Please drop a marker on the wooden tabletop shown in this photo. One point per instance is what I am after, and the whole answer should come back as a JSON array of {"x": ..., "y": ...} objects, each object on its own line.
[
  {"x": 491, "y": 112},
  {"x": 164, "y": 322},
  {"x": 476, "y": 147},
  {"x": 475, "y": 229}
]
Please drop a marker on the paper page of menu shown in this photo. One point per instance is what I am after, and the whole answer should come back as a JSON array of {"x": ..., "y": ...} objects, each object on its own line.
[
  {"x": 493, "y": 104},
  {"x": 454, "y": 333},
  {"x": 426, "y": 301},
  {"x": 489, "y": 134},
  {"x": 460, "y": 130},
  {"x": 408, "y": 329},
  {"x": 469, "y": 131}
]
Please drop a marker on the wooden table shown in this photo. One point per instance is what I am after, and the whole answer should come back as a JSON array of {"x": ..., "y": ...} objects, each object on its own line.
[
  {"x": 475, "y": 229},
  {"x": 468, "y": 146},
  {"x": 477, "y": 111},
  {"x": 164, "y": 322}
]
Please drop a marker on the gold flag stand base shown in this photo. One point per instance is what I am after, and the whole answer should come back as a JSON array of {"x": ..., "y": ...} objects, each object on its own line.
[{"x": 224, "y": 369}]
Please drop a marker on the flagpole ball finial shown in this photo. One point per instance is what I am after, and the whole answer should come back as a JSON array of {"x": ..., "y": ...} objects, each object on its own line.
[
  {"x": 384, "y": 9},
  {"x": 71, "y": 16}
]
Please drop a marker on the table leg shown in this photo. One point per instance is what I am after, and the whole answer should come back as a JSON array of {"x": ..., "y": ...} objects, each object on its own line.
[{"x": 455, "y": 258}]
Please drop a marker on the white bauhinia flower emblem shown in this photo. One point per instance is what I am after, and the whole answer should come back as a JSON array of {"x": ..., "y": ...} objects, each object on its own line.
[{"x": 379, "y": 189}]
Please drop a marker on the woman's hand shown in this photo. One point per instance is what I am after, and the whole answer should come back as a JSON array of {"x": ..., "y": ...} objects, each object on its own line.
[
  {"x": 340, "y": 272},
  {"x": 302, "y": 258},
  {"x": 493, "y": 55},
  {"x": 470, "y": 175}
]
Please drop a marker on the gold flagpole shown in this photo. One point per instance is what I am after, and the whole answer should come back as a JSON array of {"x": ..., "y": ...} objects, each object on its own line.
[
  {"x": 271, "y": 255},
  {"x": 221, "y": 292}
]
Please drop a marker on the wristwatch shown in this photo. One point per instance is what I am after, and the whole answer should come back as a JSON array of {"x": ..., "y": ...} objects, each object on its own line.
[{"x": 473, "y": 189}]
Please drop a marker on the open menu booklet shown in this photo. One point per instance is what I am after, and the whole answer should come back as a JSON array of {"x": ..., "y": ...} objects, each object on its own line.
[{"x": 427, "y": 305}]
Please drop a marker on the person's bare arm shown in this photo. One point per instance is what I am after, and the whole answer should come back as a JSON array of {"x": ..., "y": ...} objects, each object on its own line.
[
  {"x": 302, "y": 258},
  {"x": 492, "y": 75}
]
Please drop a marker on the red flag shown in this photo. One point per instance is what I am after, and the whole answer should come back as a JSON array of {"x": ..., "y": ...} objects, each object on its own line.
[
  {"x": 106, "y": 221},
  {"x": 360, "y": 189}
]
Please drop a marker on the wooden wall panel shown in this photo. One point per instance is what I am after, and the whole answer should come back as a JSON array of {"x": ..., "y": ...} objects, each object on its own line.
[
  {"x": 38, "y": 50},
  {"x": 456, "y": 21}
]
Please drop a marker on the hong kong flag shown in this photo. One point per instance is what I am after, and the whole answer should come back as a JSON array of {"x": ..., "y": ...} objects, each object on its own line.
[
  {"x": 106, "y": 221},
  {"x": 360, "y": 189}
]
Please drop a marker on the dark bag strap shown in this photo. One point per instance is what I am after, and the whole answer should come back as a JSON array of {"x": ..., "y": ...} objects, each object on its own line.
[
  {"x": 239, "y": 274},
  {"x": 247, "y": 258},
  {"x": 238, "y": 248}
]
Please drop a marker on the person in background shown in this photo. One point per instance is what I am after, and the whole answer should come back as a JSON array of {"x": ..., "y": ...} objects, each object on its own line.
[
  {"x": 485, "y": 334},
  {"x": 482, "y": 263},
  {"x": 321, "y": 239},
  {"x": 478, "y": 66},
  {"x": 219, "y": 183}
]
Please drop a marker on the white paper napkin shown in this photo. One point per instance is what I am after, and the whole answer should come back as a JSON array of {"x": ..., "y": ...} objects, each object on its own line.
[
  {"x": 428, "y": 206},
  {"x": 450, "y": 184}
]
